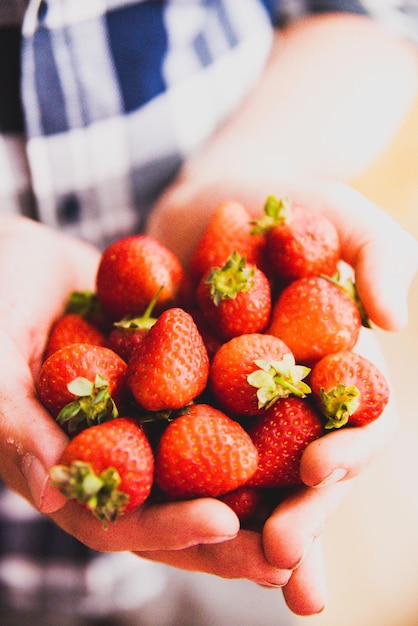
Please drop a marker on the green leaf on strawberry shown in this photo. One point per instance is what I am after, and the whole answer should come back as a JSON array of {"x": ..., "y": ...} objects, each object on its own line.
[
  {"x": 276, "y": 211},
  {"x": 233, "y": 277},
  {"x": 97, "y": 492},
  {"x": 94, "y": 404},
  {"x": 338, "y": 404},
  {"x": 278, "y": 379}
]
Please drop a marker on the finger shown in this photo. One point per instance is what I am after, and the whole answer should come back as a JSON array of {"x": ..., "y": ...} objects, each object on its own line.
[
  {"x": 383, "y": 254},
  {"x": 31, "y": 441},
  {"x": 241, "y": 557},
  {"x": 345, "y": 453},
  {"x": 305, "y": 593},
  {"x": 171, "y": 526},
  {"x": 290, "y": 531}
]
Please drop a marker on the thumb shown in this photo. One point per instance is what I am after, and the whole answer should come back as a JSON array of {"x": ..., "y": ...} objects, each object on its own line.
[
  {"x": 383, "y": 254},
  {"x": 384, "y": 271}
]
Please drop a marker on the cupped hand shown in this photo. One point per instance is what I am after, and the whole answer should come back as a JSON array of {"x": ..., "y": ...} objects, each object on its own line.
[
  {"x": 385, "y": 260},
  {"x": 38, "y": 270}
]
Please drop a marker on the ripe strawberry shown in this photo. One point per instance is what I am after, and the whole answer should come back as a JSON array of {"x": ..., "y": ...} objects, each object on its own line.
[
  {"x": 248, "y": 373},
  {"x": 349, "y": 389},
  {"x": 130, "y": 331},
  {"x": 245, "y": 501},
  {"x": 130, "y": 272},
  {"x": 229, "y": 229},
  {"x": 72, "y": 328},
  {"x": 299, "y": 242},
  {"x": 107, "y": 468},
  {"x": 314, "y": 316},
  {"x": 204, "y": 453},
  {"x": 235, "y": 298},
  {"x": 280, "y": 436},
  {"x": 170, "y": 366},
  {"x": 82, "y": 383}
]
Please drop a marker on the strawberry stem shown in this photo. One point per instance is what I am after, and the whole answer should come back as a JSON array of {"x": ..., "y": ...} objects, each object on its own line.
[
  {"x": 99, "y": 493},
  {"x": 338, "y": 404},
  {"x": 145, "y": 320},
  {"x": 230, "y": 279},
  {"x": 276, "y": 212},
  {"x": 278, "y": 379},
  {"x": 94, "y": 404}
]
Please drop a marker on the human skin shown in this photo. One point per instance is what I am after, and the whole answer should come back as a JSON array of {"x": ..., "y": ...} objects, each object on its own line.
[{"x": 40, "y": 267}]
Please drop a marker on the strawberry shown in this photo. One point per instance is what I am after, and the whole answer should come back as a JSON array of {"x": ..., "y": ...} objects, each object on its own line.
[
  {"x": 235, "y": 298},
  {"x": 299, "y": 242},
  {"x": 129, "y": 332},
  {"x": 280, "y": 436},
  {"x": 349, "y": 389},
  {"x": 204, "y": 453},
  {"x": 107, "y": 468},
  {"x": 248, "y": 373},
  {"x": 245, "y": 501},
  {"x": 314, "y": 316},
  {"x": 72, "y": 328},
  {"x": 130, "y": 272},
  {"x": 82, "y": 383},
  {"x": 170, "y": 366},
  {"x": 228, "y": 229}
]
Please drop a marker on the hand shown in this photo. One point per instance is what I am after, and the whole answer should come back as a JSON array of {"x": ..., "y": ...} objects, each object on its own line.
[
  {"x": 38, "y": 270},
  {"x": 370, "y": 243}
]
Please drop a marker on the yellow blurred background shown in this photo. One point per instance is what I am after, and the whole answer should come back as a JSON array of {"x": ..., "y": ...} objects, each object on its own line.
[{"x": 371, "y": 544}]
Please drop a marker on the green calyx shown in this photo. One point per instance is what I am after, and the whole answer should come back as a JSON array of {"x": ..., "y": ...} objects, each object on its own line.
[
  {"x": 144, "y": 321},
  {"x": 233, "y": 277},
  {"x": 85, "y": 303},
  {"x": 94, "y": 404},
  {"x": 278, "y": 379},
  {"x": 276, "y": 212},
  {"x": 348, "y": 285},
  {"x": 338, "y": 404},
  {"x": 99, "y": 493}
]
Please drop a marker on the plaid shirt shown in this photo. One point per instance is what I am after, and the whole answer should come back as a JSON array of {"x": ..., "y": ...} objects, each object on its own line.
[{"x": 100, "y": 104}]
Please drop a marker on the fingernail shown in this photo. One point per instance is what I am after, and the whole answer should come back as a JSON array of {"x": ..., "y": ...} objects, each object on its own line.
[
  {"x": 45, "y": 497},
  {"x": 334, "y": 477}
]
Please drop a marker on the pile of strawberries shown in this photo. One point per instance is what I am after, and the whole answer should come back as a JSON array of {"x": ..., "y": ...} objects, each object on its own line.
[{"x": 177, "y": 384}]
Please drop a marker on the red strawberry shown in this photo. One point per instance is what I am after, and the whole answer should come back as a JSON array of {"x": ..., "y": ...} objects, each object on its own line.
[
  {"x": 280, "y": 436},
  {"x": 314, "y": 316},
  {"x": 245, "y": 501},
  {"x": 235, "y": 298},
  {"x": 204, "y": 453},
  {"x": 229, "y": 229},
  {"x": 251, "y": 371},
  {"x": 72, "y": 328},
  {"x": 349, "y": 389},
  {"x": 170, "y": 366},
  {"x": 129, "y": 332},
  {"x": 108, "y": 468},
  {"x": 82, "y": 383},
  {"x": 300, "y": 242},
  {"x": 130, "y": 272}
]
